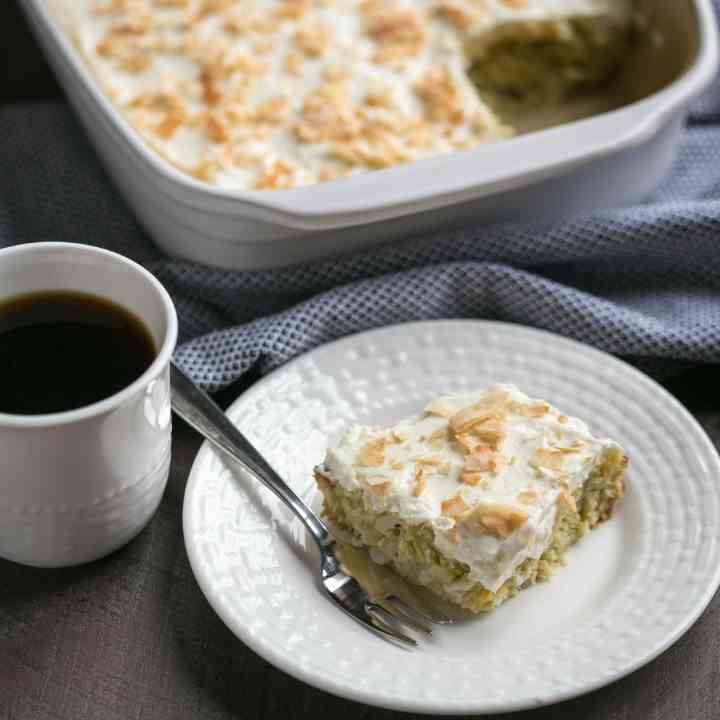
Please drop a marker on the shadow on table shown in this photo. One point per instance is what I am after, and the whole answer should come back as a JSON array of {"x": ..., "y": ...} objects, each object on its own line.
[
  {"x": 234, "y": 678},
  {"x": 22, "y": 584}
]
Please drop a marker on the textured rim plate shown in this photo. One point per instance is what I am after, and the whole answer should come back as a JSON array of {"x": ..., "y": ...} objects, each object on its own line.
[{"x": 630, "y": 589}]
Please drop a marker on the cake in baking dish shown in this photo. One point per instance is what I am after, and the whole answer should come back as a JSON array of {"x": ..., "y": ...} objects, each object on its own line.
[
  {"x": 273, "y": 94},
  {"x": 476, "y": 498}
]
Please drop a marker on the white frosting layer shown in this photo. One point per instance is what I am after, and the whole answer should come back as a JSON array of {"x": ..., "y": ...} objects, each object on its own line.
[
  {"x": 492, "y": 560},
  {"x": 251, "y": 129}
]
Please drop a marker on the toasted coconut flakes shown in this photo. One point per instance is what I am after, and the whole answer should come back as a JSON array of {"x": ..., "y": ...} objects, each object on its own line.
[
  {"x": 497, "y": 520},
  {"x": 441, "y": 96},
  {"x": 571, "y": 450},
  {"x": 312, "y": 39},
  {"x": 567, "y": 499},
  {"x": 131, "y": 26},
  {"x": 479, "y": 440},
  {"x": 439, "y": 434},
  {"x": 496, "y": 526},
  {"x": 161, "y": 102},
  {"x": 463, "y": 421},
  {"x": 528, "y": 497},
  {"x": 535, "y": 410},
  {"x": 462, "y": 444},
  {"x": 272, "y": 111},
  {"x": 379, "y": 98},
  {"x": 205, "y": 169},
  {"x": 548, "y": 458},
  {"x": 135, "y": 63},
  {"x": 453, "y": 507},
  {"x": 327, "y": 173},
  {"x": 441, "y": 408},
  {"x": 480, "y": 461},
  {"x": 168, "y": 126},
  {"x": 399, "y": 437},
  {"x": 278, "y": 175},
  {"x": 380, "y": 489},
  {"x": 491, "y": 431},
  {"x": 468, "y": 444},
  {"x": 483, "y": 460},
  {"x": 420, "y": 482},
  {"x": 468, "y": 477},
  {"x": 216, "y": 128},
  {"x": 211, "y": 94},
  {"x": 431, "y": 460},
  {"x": 372, "y": 454},
  {"x": 167, "y": 106},
  {"x": 292, "y": 9},
  {"x": 379, "y": 154},
  {"x": 460, "y": 13},
  {"x": 396, "y": 465},
  {"x": 326, "y": 117},
  {"x": 109, "y": 8},
  {"x": 563, "y": 419},
  {"x": 294, "y": 62},
  {"x": 210, "y": 7},
  {"x": 335, "y": 73},
  {"x": 264, "y": 47},
  {"x": 498, "y": 463},
  {"x": 453, "y": 535},
  {"x": 397, "y": 30},
  {"x": 493, "y": 405}
]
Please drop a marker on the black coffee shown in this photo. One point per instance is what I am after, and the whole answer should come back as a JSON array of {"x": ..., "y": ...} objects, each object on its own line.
[{"x": 63, "y": 350}]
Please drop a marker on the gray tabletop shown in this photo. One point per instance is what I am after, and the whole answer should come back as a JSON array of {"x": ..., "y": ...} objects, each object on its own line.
[{"x": 131, "y": 636}]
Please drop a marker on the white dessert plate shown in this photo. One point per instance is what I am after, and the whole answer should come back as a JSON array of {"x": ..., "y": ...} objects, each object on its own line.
[{"x": 630, "y": 589}]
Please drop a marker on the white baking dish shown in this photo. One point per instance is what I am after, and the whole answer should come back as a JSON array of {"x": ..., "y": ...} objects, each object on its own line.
[{"x": 610, "y": 158}]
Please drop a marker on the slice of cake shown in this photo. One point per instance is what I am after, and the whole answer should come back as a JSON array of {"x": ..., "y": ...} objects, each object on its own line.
[{"x": 476, "y": 498}]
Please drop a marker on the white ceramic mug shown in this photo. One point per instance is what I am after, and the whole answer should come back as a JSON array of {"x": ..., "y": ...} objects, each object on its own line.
[{"x": 76, "y": 485}]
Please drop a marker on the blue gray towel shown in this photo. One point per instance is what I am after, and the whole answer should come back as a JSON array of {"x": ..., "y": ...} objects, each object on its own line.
[{"x": 642, "y": 282}]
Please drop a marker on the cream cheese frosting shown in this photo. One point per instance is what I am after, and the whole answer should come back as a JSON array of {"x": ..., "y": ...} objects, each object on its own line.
[
  {"x": 491, "y": 508},
  {"x": 269, "y": 94}
]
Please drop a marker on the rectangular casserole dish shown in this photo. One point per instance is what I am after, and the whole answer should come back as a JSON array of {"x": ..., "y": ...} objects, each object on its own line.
[{"x": 611, "y": 158}]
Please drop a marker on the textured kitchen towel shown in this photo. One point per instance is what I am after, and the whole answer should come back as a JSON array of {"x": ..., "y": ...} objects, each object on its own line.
[{"x": 642, "y": 282}]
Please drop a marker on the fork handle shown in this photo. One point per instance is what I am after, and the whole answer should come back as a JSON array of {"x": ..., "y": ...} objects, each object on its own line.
[{"x": 198, "y": 410}]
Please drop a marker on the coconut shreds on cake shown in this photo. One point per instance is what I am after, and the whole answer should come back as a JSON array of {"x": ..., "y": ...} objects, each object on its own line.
[
  {"x": 272, "y": 94},
  {"x": 476, "y": 498}
]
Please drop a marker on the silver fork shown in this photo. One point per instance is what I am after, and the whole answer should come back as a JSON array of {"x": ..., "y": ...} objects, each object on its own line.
[{"x": 199, "y": 411}]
